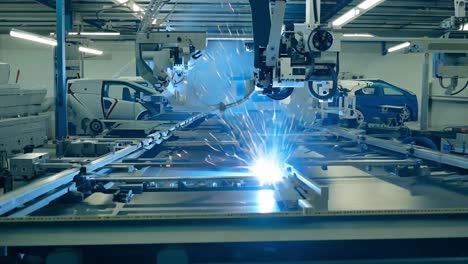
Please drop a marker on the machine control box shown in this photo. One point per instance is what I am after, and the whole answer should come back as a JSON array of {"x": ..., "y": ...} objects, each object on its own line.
[{"x": 25, "y": 166}]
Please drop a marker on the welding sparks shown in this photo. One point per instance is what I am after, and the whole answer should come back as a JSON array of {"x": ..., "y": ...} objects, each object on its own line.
[
  {"x": 264, "y": 129},
  {"x": 267, "y": 170}
]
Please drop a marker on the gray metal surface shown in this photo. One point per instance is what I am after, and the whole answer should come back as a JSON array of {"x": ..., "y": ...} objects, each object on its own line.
[{"x": 222, "y": 231}]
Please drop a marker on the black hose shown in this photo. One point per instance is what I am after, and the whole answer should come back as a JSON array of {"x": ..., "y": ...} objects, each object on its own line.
[
  {"x": 461, "y": 90},
  {"x": 337, "y": 63},
  {"x": 441, "y": 82},
  {"x": 308, "y": 39},
  {"x": 315, "y": 11}
]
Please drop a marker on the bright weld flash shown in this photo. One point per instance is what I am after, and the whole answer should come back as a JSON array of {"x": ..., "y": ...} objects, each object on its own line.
[{"x": 267, "y": 171}]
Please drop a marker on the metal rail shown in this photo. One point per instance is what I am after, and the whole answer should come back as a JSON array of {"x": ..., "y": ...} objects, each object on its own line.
[
  {"x": 133, "y": 179},
  {"x": 410, "y": 150},
  {"x": 42, "y": 186}
]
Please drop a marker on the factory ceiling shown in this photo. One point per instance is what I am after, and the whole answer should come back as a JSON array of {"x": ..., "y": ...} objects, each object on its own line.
[{"x": 396, "y": 18}]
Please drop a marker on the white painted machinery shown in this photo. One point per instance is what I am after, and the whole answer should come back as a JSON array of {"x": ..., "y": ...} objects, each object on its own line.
[
  {"x": 290, "y": 56},
  {"x": 21, "y": 121}
]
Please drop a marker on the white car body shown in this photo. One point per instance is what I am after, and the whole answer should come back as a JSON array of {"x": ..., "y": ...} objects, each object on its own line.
[{"x": 113, "y": 99}]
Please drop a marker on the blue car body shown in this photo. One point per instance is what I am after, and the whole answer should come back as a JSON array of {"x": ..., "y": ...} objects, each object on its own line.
[{"x": 370, "y": 101}]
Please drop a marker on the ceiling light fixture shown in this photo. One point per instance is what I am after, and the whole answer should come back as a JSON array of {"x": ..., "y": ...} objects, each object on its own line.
[
  {"x": 95, "y": 33},
  {"x": 346, "y": 17},
  {"x": 32, "y": 37},
  {"x": 135, "y": 7},
  {"x": 368, "y": 4},
  {"x": 355, "y": 12},
  {"x": 105, "y": 33},
  {"x": 90, "y": 51},
  {"x": 399, "y": 47},
  {"x": 48, "y": 41},
  {"x": 358, "y": 35}
]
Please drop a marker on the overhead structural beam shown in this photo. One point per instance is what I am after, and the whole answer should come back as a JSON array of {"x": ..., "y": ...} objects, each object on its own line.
[
  {"x": 336, "y": 9},
  {"x": 68, "y": 11},
  {"x": 47, "y": 3}
]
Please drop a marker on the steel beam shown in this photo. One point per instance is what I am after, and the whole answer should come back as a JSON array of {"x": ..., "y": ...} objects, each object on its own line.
[
  {"x": 35, "y": 189},
  {"x": 61, "y": 81},
  {"x": 43, "y": 202},
  {"x": 47, "y": 3},
  {"x": 425, "y": 92}
]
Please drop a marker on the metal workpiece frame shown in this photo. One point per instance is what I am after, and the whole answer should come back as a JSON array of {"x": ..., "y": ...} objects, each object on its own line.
[
  {"x": 405, "y": 149},
  {"x": 36, "y": 189},
  {"x": 25, "y": 194},
  {"x": 357, "y": 162},
  {"x": 309, "y": 214},
  {"x": 317, "y": 200}
]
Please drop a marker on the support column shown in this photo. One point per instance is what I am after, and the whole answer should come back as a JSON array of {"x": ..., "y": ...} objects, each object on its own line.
[
  {"x": 425, "y": 93},
  {"x": 60, "y": 83}
]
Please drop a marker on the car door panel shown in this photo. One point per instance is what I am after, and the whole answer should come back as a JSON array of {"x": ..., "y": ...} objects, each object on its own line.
[
  {"x": 117, "y": 102},
  {"x": 368, "y": 102}
]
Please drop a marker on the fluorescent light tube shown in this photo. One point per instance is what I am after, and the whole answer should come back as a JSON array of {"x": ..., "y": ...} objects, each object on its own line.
[
  {"x": 100, "y": 33},
  {"x": 105, "y": 33},
  {"x": 355, "y": 12},
  {"x": 122, "y": 1},
  {"x": 32, "y": 37},
  {"x": 135, "y": 7},
  {"x": 346, "y": 17},
  {"x": 399, "y": 47},
  {"x": 368, "y": 4},
  {"x": 95, "y": 33},
  {"x": 358, "y": 35},
  {"x": 90, "y": 51}
]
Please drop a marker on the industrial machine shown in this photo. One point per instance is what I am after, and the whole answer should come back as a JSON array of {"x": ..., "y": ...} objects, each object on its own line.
[
  {"x": 22, "y": 123},
  {"x": 286, "y": 56},
  {"x": 344, "y": 103},
  {"x": 167, "y": 50},
  {"x": 289, "y": 56}
]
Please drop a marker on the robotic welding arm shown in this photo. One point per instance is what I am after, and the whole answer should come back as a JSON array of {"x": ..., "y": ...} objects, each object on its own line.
[
  {"x": 166, "y": 50},
  {"x": 288, "y": 57}
]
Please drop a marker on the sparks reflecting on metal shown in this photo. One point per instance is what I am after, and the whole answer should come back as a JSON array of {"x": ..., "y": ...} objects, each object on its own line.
[
  {"x": 266, "y": 201},
  {"x": 267, "y": 169}
]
